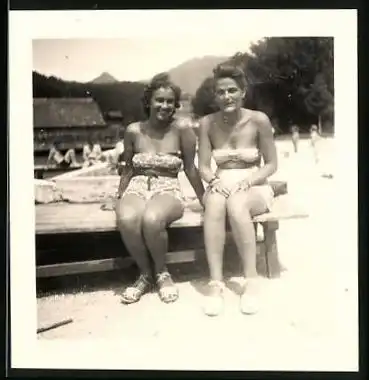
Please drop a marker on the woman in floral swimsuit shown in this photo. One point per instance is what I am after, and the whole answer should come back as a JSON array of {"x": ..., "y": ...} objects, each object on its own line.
[{"x": 149, "y": 194}]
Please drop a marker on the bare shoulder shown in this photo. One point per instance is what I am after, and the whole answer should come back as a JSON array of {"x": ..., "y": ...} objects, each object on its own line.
[
  {"x": 133, "y": 129},
  {"x": 207, "y": 122},
  {"x": 260, "y": 118}
]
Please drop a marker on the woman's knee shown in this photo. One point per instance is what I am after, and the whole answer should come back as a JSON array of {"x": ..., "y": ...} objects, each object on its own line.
[
  {"x": 70, "y": 153},
  {"x": 244, "y": 205},
  {"x": 128, "y": 218},
  {"x": 238, "y": 206},
  {"x": 152, "y": 220}
]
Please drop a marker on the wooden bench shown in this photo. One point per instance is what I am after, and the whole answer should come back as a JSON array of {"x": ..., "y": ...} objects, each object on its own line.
[
  {"x": 59, "y": 223},
  {"x": 40, "y": 170}
]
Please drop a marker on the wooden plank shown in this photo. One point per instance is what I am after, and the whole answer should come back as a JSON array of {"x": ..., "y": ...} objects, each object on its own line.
[
  {"x": 103, "y": 265},
  {"x": 75, "y": 218},
  {"x": 56, "y": 168},
  {"x": 116, "y": 263},
  {"x": 273, "y": 266},
  {"x": 63, "y": 269}
]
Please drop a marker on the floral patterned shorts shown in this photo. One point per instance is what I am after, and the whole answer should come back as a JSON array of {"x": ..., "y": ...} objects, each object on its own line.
[{"x": 147, "y": 186}]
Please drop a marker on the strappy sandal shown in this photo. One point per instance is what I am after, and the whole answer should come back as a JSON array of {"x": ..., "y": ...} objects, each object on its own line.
[
  {"x": 249, "y": 303},
  {"x": 168, "y": 292},
  {"x": 214, "y": 301},
  {"x": 134, "y": 293}
]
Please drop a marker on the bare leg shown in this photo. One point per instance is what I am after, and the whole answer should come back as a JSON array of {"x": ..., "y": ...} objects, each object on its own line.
[
  {"x": 129, "y": 211},
  {"x": 215, "y": 233},
  {"x": 294, "y": 142},
  {"x": 241, "y": 207},
  {"x": 70, "y": 157},
  {"x": 129, "y": 220},
  {"x": 161, "y": 210},
  {"x": 214, "y": 236}
]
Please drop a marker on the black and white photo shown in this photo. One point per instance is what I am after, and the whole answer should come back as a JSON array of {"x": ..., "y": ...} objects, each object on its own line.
[{"x": 183, "y": 194}]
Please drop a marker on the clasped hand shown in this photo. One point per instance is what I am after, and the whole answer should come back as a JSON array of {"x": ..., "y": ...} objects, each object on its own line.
[{"x": 220, "y": 187}]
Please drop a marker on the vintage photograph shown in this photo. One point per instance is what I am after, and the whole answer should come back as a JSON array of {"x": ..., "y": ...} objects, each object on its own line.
[{"x": 184, "y": 190}]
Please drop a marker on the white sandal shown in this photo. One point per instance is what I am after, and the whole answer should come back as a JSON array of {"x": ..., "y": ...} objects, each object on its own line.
[{"x": 214, "y": 303}]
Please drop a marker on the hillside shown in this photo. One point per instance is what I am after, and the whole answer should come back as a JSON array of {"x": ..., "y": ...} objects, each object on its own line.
[
  {"x": 115, "y": 96},
  {"x": 104, "y": 78},
  {"x": 190, "y": 74}
]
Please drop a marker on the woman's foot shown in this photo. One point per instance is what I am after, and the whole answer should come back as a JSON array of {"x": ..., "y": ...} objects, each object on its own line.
[
  {"x": 214, "y": 301},
  {"x": 168, "y": 292},
  {"x": 134, "y": 293},
  {"x": 249, "y": 303}
]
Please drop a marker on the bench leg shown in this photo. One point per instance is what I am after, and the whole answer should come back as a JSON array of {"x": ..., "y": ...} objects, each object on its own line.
[{"x": 273, "y": 266}]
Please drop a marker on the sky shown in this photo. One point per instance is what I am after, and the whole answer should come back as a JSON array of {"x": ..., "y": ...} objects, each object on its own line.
[{"x": 128, "y": 59}]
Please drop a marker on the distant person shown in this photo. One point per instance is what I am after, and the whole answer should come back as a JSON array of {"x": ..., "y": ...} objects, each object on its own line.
[
  {"x": 314, "y": 134},
  {"x": 56, "y": 157},
  {"x": 314, "y": 140},
  {"x": 295, "y": 135},
  {"x": 92, "y": 153}
]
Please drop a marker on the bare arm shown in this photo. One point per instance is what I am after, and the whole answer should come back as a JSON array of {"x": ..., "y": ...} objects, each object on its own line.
[
  {"x": 188, "y": 148},
  {"x": 126, "y": 173},
  {"x": 267, "y": 149},
  {"x": 205, "y": 151}
]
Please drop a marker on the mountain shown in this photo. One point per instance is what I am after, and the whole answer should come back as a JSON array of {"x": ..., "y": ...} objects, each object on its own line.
[
  {"x": 190, "y": 74},
  {"x": 104, "y": 78}
]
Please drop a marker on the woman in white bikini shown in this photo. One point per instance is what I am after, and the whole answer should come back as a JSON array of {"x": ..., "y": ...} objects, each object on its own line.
[
  {"x": 150, "y": 195},
  {"x": 237, "y": 139}
]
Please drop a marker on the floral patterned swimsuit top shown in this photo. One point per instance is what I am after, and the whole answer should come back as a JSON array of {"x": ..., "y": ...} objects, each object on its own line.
[{"x": 155, "y": 174}]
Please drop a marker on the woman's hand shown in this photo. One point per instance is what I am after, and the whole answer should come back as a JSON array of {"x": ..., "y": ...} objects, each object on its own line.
[
  {"x": 243, "y": 185},
  {"x": 218, "y": 186}
]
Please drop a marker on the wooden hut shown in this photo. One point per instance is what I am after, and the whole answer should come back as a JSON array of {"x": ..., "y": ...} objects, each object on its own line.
[
  {"x": 71, "y": 120},
  {"x": 115, "y": 121}
]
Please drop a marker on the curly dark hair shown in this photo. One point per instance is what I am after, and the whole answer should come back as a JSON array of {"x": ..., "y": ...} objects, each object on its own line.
[
  {"x": 159, "y": 81},
  {"x": 227, "y": 70}
]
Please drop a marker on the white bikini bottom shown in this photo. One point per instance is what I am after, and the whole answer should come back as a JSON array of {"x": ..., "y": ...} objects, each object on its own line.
[{"x": 232, "y": 177}]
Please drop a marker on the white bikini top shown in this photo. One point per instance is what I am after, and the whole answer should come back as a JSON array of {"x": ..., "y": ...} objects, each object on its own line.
[{"x": 248, "y": 155}]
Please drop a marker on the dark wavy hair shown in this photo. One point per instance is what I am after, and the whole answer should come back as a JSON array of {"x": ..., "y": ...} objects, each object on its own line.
[
  {"x": 159, "y": 81},
  {"x": 226, "y": 70}
]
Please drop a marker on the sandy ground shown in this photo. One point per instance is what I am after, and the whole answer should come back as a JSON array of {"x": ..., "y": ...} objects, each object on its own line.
[{"x": 305, "y": 320}]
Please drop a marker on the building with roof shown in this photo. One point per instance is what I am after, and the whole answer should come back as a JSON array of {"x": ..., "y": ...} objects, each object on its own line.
[{"x": 72, "y": 121}]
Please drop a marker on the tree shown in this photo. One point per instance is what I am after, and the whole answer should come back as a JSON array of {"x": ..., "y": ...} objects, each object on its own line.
[
  {"x": 203, "y": 102},
  {"x": 318, "y": 98},
  {"x": 294, "y": 65}
]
